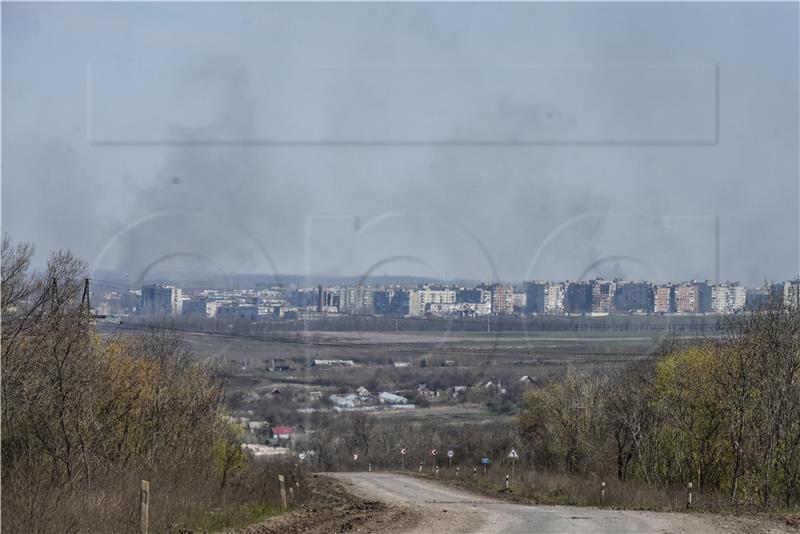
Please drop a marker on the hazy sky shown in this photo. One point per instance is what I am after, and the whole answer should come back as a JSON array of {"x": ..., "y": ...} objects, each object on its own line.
[{"x": 471, "y": 140}]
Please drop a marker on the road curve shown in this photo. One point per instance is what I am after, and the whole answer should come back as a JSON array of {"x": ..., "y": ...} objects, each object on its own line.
[{"x": 452, "y": 510}]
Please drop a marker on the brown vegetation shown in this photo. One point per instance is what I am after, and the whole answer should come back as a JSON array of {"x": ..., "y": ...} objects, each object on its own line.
[
  {"x": 723, "y": 415},
  {"x": 83, "y": 420}
]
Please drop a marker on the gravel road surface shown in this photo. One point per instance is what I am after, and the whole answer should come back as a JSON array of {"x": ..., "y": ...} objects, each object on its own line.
[{"x": 449, "y": 510}]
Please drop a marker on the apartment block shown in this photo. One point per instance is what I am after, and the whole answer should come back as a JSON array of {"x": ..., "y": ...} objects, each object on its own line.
[
  {"x": 693, "y": 297},
  {"x": 161, "y": 300},
  {"x": 664, "y": 299},
  {"x": 502, "y": 299},
  {"x": 632, "y": 297},
  {"x": 578, "y": 297},
  {"x": 602, "y": 296}
]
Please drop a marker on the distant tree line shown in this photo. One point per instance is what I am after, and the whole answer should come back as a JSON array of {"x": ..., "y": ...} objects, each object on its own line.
[{"x": 653, "y": 324}]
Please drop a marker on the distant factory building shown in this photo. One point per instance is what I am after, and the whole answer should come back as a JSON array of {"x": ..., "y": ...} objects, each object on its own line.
[{"x": 161, "y": 300}]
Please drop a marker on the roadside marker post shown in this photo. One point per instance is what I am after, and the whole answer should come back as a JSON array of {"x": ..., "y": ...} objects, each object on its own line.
[
  {"x": 506, "y": 481},
  {"x": 369, "y": 467},
  {"x": 281, "y": 481},
  {"x": 144, "y": 506},
  {"x": 474, "y": 473},
  {"x": 437, "y": 471},
  {"x": 420, "y": 466},
  {"x": 602, "y": 493},
  {"x": 689, "y": 497},
  {"x": 513, "y": 455},
  {"x": 457, "y": 471}
]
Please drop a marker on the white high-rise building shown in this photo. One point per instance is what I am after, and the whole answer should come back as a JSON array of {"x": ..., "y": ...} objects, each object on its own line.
[{"x": 420, "y": 300}]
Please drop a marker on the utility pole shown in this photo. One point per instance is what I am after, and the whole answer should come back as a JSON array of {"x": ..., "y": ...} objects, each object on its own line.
[{"x": 85, "y": 298}]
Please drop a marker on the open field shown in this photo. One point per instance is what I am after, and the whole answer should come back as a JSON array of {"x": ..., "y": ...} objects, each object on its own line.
[{"x": 258, "y": 363}]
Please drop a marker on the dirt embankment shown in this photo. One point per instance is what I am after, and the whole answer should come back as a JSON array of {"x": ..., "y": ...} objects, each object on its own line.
[{"x": 331, "y": 508}]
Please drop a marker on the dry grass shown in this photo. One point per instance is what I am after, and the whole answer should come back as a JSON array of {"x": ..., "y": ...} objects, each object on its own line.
[
  {"x": 180, "y": 501},
  {"x": 537, "y": 487}
]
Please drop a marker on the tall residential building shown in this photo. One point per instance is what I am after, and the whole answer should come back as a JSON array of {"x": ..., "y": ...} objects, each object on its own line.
[
  {"x": 420, "y": 300},
  {"x": 502, "y": 299},
  {"x": 535, "y": 297},
  {"x": 391, "y": 302},
  {"x": 520, "y": 302},
  {"x": 554, "y": 298},
  {"x": 161, "y": 300},
  {"x": 634, "y": 297},
  {"x": 472, "y": 302},
  {"x": 727, "y": 298},
  {"x": 664, "y": 299},
  {"x": 602, "y": 295},
  {"x": 719, "y": 298},
  {"x": 693, "y": 297},
  {"x": 472, "y": 295},
  {"x": 357, "y": 300},
  {"x": 578, "y": 297},
  {"x": 737, "y": 298},
  {"x": 791, "y": 294}
]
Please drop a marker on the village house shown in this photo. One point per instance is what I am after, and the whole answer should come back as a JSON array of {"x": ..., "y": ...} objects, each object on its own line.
[
  {"x": 282, "y": 432},
  {"x": 391, "y": 398},
  {"x": 424, "y": 390}
]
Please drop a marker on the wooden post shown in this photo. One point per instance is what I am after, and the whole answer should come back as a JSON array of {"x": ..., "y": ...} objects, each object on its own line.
[
  {"x": 602, "y": 493},
  {"x": 144, "y": 505},
  {"x": 281, "y": 480},
  {"x": 689, "y": 497}
]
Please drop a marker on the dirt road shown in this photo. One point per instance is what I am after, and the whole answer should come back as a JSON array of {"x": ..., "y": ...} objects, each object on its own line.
[{"x": 449, "y": 510}]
